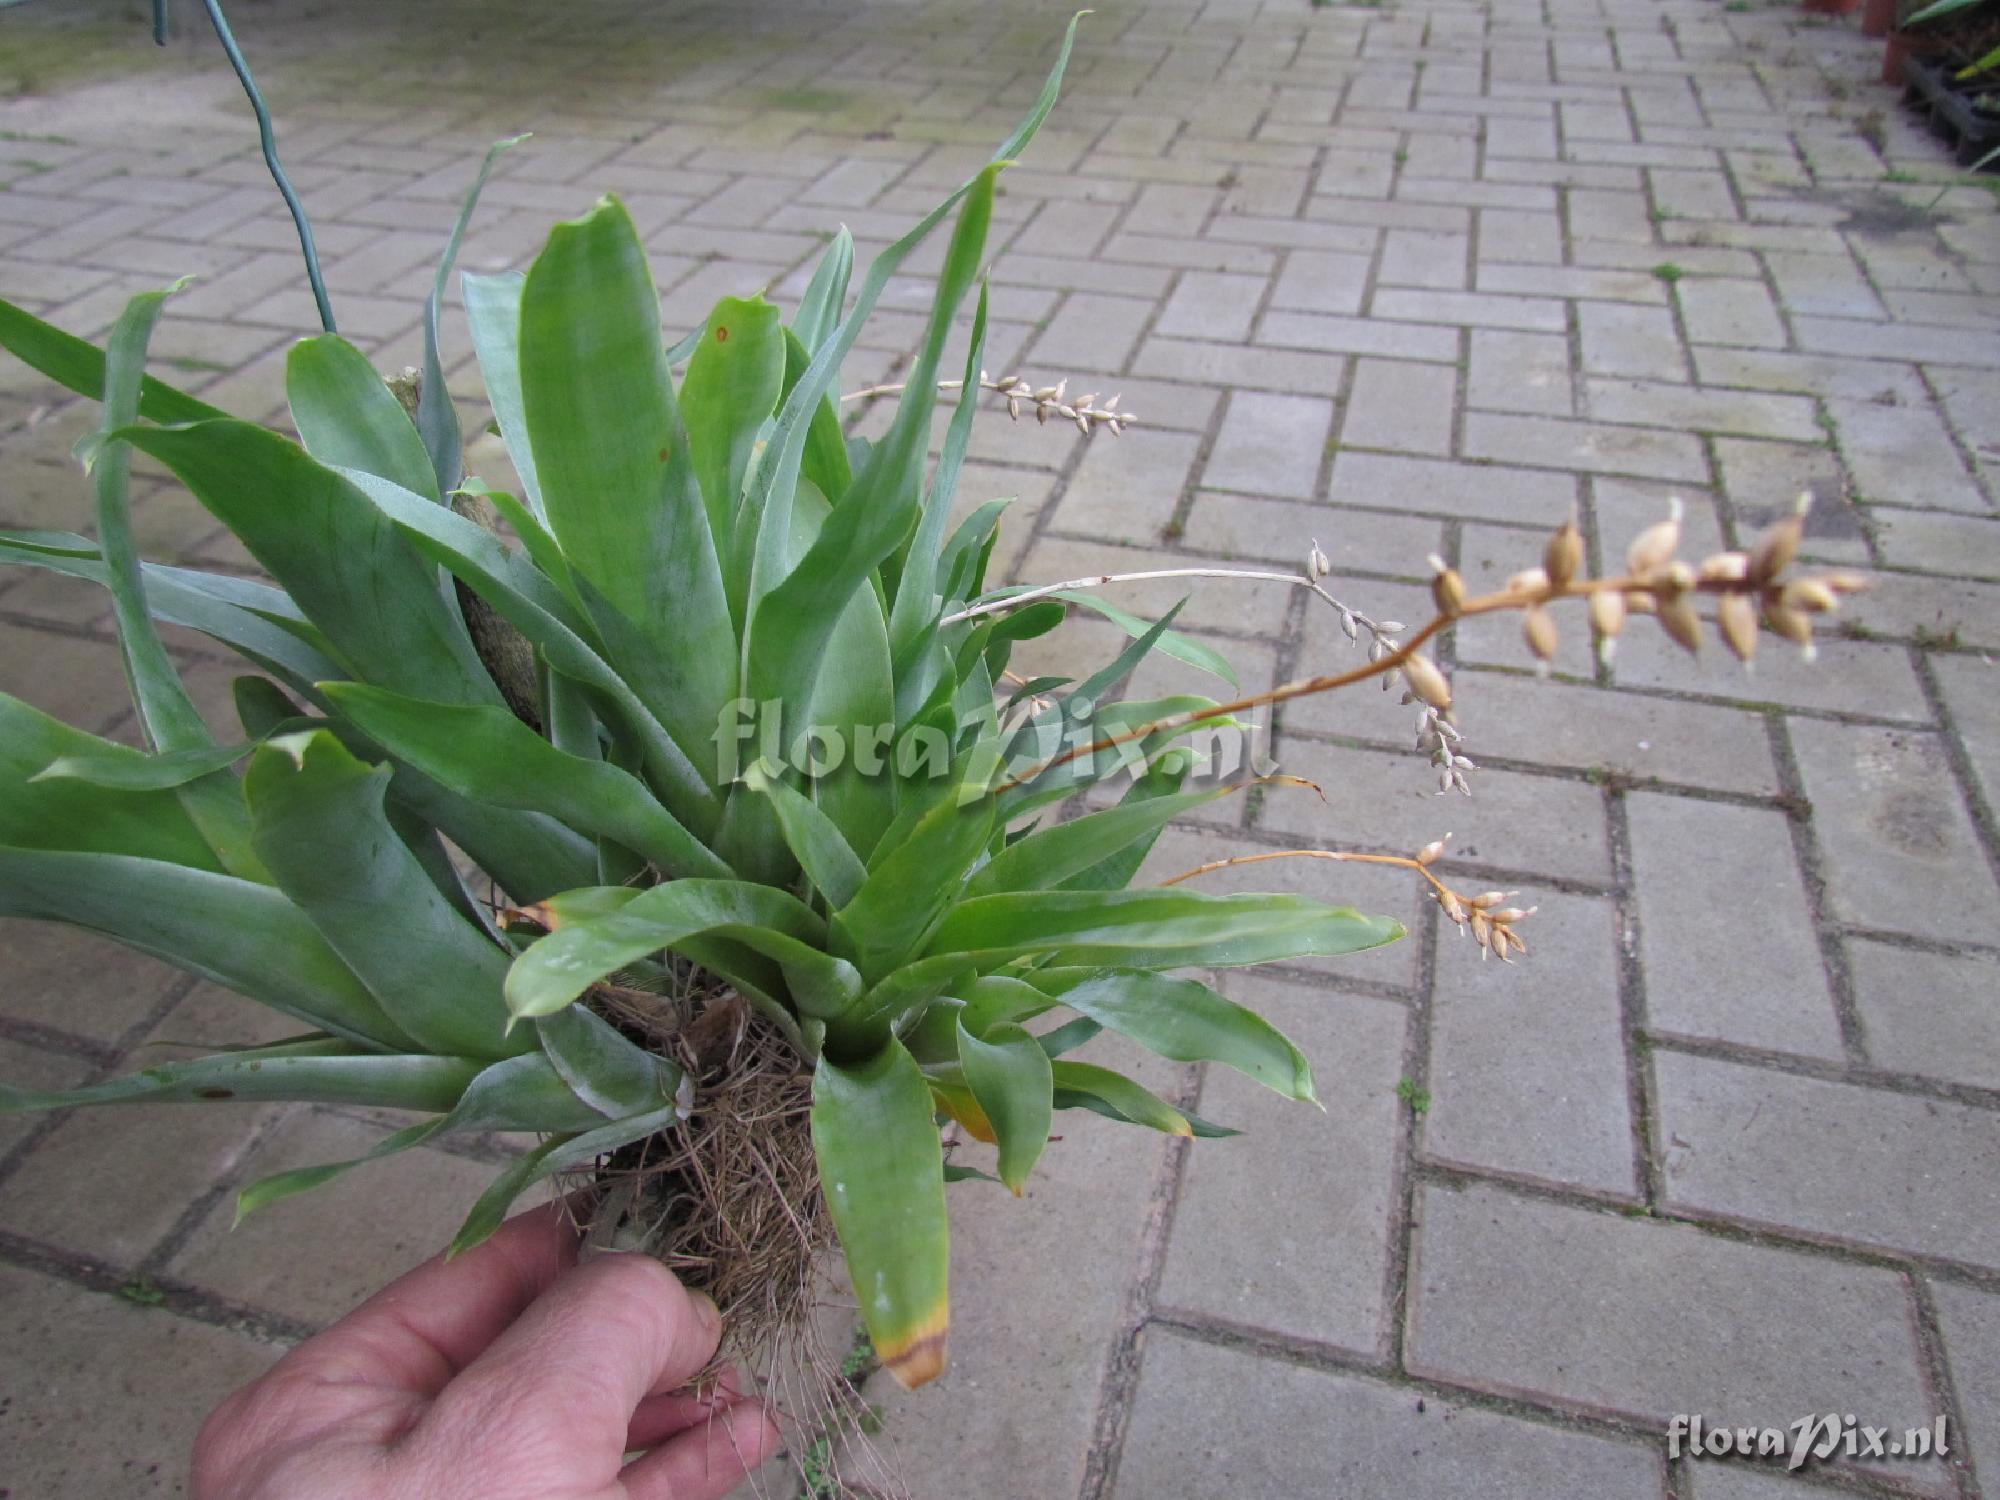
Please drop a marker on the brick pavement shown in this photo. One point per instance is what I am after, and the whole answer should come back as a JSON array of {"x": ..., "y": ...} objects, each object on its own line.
[{"x": 1414, "y": 276}]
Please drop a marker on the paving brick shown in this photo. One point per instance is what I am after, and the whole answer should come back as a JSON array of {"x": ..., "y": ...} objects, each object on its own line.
[
  {"x": 1605, "y": 214},
  {"x": 1238, "y": 526},
  {"x": 1834, "y": 1160},
  {"x": 1425, "y": 258},
  {"x": 104, "y": 1396},
  {"x": 1270, "y": 445},
  {"x": 1903, "y": 454},
  {"x": 1323, "y": 281},
  {"x": 77, "y": 982},
  {"x": 1502, "y": 1098},
  {"x": 1929, "y": 1013},
  {"x": 1717, "y": 311},
  {"x": 1593, "y": 447},
  {"x": 1845, "y": 677},
  {"x": 1301, "y": 330},
  {"x": 1519, "y": 236},
  {"x": 1647, "y": 1319},
  {"x": 1232, "y": 364},
  {"x": 1970, "y": 1321},
  {"x": 1520, "y": 372},
  {"x": 1703, "y": 409},
  {"x": 77, "y": 680},
  {"x": 1763, "y": 481},
  {"x": 1486, "y": 492},
  {"x": 1474, "y": 309},
  {"x": 1128, "y": 491},
  {"x": 1968, "y": 683},
  {"x": 1318, "y": 1432},
  {"x": 1830, "y": 286},
  {"x": 1320, "y": 1265},
  {"x": 1967, "y": 545},
  {"x": 1726, "y": 939},
  {"x": 1903, "y": 855},
  {"x": 1818, "y": 375},
  {"x": 1400, "y": 405},
  {"x": 25, "y": 1067},
  {"x": 1206, "y": 305},
  {"x": 1622, "y": 339}
]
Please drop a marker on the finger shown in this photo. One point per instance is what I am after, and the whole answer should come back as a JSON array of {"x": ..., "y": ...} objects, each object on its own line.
[
  {"x": 418, "y": 1332},
  {"x": 708, "y": 1461},
  {"x": 574, "y": 1367},
  {"x": 660, "y": 1417}
]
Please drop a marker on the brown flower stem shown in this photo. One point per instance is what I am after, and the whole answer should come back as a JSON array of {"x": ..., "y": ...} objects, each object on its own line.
[{"x": 1334, "y": 854}]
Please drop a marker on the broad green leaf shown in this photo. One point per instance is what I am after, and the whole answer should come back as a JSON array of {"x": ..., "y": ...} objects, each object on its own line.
[
  {"x": 318, "y": 1072},
  {"x": 824, "y": 460},
  {"x": 882, "y": 1170},
  {"x": 244, "y": 936},
  {"x": 116, "y": 768},
  {"x": 38, "y": 811},
  {"x": 349, "y": 568},
  {"x": 613, "y": 1076},
  {"x": 437, "y": 417},
  {"x": 834, "y": 869},
  {"x": 732, "y": 386},
  {"x": 1154, "y": 929},
  {"x": 1050, "y": 856},
  {"x": 1118, "y": 1094},
  {"x": 493, "y": 312},
  {"x": 490, "y": 756},
  {"x": 1170, "y": 643},
  {"x": 1001, "y": 999},
  {"x": 322, "y": 830},
  {"x": 348, "y": 418},
  {"x": 1115, "y": 871},
  {"x": 558, "y": 1155},
  {"x": 819, "y": 310},
  {"x": 911, "y": 885},
  {"x": 1009, "y": 1075},
  {"x": 1186, "y": 1021},
  {"x": 1068, "y": 1037},
  {"x": 79, "y": 366},
  {"x": 561, "y": 966}
]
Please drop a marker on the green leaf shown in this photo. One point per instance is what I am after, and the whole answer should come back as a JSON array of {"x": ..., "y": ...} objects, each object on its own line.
[
  {"x": 826, "y": 293},
  {"x": 1049, "y": 856},
  {"x": 1154, "y": 929},
  {"x": 244, "y": 936},
  {"x": 489, "y": 756},
  {"x": 911, "y": 884},
  {"x": 327, "y": 1071},
  {"x": 1115, "y": 871},
  {"x": 558, "y": 1155},
  {"x": 322, "y": 830},
  {"x": 610, "y": 1074},
  {"x": 1085, "y": 1084},
  {"x": 1170, "y": 643},
  {"x": 561, "y": 966},
  {"x": 493, "y": 312},
  {"x": 732, "y": 386},
  {"x": 883, "y": 1173},
  {"x": 437, "y": 417},
  {"x": 348, "y": 418},
  {"x": 999, "y": 1000},
  {"x": 116, "y": 768},
  {"x": 834, "y": 869},
  {"x": 1186, "y": 1021},
  {"x": 79, "y": 366},
  {"x": 1009, "y": 1075},
  {"x": 348, "y": 567}
]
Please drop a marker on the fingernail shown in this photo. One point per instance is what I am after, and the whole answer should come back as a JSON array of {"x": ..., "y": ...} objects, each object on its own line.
[{"x": 705, "y": 1306}]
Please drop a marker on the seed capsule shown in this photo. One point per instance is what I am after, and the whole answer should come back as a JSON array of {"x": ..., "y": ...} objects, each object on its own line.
[
  {"x": 1564, "y": 554},
  {"x": 1679, "y": 619},
  {"x": 1656, "y": 543},
  {"x": 1774, "y": 549},
  {"x": 1538, "y": 629},
  {"x": 1316, "y": 561},
  {"x": 1432, "y": 852},
  {"x": 1809, "y": 596},
  {"x": 1447, "y": 590},
  {"x": 1788, "y": 622},
  {"x": 1724, "y": 567},
  {"x": 1736, "y": 615},
  {"x": 1427, "y": 682},
  {"x": 1528, "y": 581}
]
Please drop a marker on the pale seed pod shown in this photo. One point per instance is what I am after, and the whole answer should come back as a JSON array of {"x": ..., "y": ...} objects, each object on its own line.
[
  {"x": 1656, "y": 543},
  {"x": 1486, "y": 900},
  {"x": 1082, "y": 423},
  {"x": 1724, "y": 567},
  {"x": 1508, "y": 914},
  {"x": 1607, "y": 616},
  {"x": 1675, "y": 578},
  {"x": 1448, "y": 593},
  {"x": 1809, "y": 596},
  {"x": 1426, "y": 681},
  {"x": 1041, "y": 415},
  {"x": 1564, "y": 554},
  {"x": 1736, "y": 616},
  {"x": 1347, "y": 625},
  {"x": 1538, "y": 629},
  {"x": 1528, "y": 581},
  {"x": 1317, "y": 563},
  {"x": 1779, "y": 542},
  {"x": 1432, "y": 852},
  {"x": 1641, "y": 602},
  {"x": 1788, "y": 622},
  {"x": 1844, "y": 581},
  {"x": 1448, "y": 901},
  {"x": 1482, "y": 929},
  {"x": 1679, "y": 619},
  {"x": 1391, "y": 627}
]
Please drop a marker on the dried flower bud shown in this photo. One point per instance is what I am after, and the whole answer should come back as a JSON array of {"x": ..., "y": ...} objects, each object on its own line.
[
  {"x": 1809, "y": 596},
  {"x": 1680, "y": 620},
  {"x": 1724, "y": 567},
  {"x": 1774, "y": 549},
  {"x": 1482, "y": 929},
  {"x": 1432, "y": 852},
  {"x": 1447, "y": 588},
  {"x": 1316, "y": 561},
  {"x": 1347, "y": 626},
  {"x": 1391, "y": 627},
  {"x": 1607, "y": 618},
  {"x": 1564, "y": 554},
  {"x": 1736, "y": 615},
  {"x": 1508, "y": 914},
  {"x": 1844, "y": 581},
  {"x": 1656, "y": 543},
  {"x": 1788, "y": 622},
  {"x": 1449, "y": 902},
  {"x": 1538, "y": 629},
  {"x": 1488, "y": 899},
  {"x": 1528, "y": 581},
  {"x": 1426, "y": 681}
]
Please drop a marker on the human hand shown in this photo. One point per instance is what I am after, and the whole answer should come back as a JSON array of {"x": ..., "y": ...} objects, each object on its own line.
[{"x": 510, "y": 1373}]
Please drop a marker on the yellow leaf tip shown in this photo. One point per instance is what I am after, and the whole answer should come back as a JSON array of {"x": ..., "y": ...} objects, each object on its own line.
[{"x": 918, "y": 1357}]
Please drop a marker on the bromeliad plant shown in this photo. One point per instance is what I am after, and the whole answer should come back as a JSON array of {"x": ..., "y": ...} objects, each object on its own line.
[
  {"x": 692, "y": 556},
  {"x": 699, "y": 832}
]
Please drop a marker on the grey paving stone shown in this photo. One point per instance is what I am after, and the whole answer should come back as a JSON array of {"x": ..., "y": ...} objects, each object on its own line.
[
  {"x": 1323, "y": 281},
  {"x": 1627, "y": 339},
  {"x": 1400, "y": 405},
  {"x": 1592, "y": 447},
  {"x": 1129, "y": 490},
  {"x": 1902, "y": 454},
  {"x": 1239, "y": 526},
  {"x": 1318, "y": 1432},
  {"x": 1228, "y": 364},
  {"x": 1425, "y": 258},
  {"x": 76, "y": 981},
  {"x": 1968, "y": 684},
  {"x": 1522, "y": 372},
  {"x": 1970, "y": 1322},
  {"x": 1846, "y": 676},
  {"x": 1764, "y": 480},
  {"x": 1726, "y": 938},
  {"x": 104, "y": 1396},
  {"x": 1718, "y": 311},
  {"x": 1484, "y": 492},
  {"x": 1270, "y": 445},
  {"x": 1526, "y": 1078},
  {"x": 1810, "y": 374},
  {"x": 1207, "y": 305},
  {"x": 1835, "y": 1160},
  {"x": 1371, "y": 335},
  {"x": 1474, "y": 309},
  {"x": 1318, "y": 1266},
  {"x": 1929, "y": 1013},
  {"x": 25, "y": 1067},
  {"x": 1702, "y": 409},
  {"x": 1644, "y": 1318},
  {"x": 1211, "y": 605},
  {"x": 1093, "y": 333},
  {"x": 1902, "y": 855}
]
